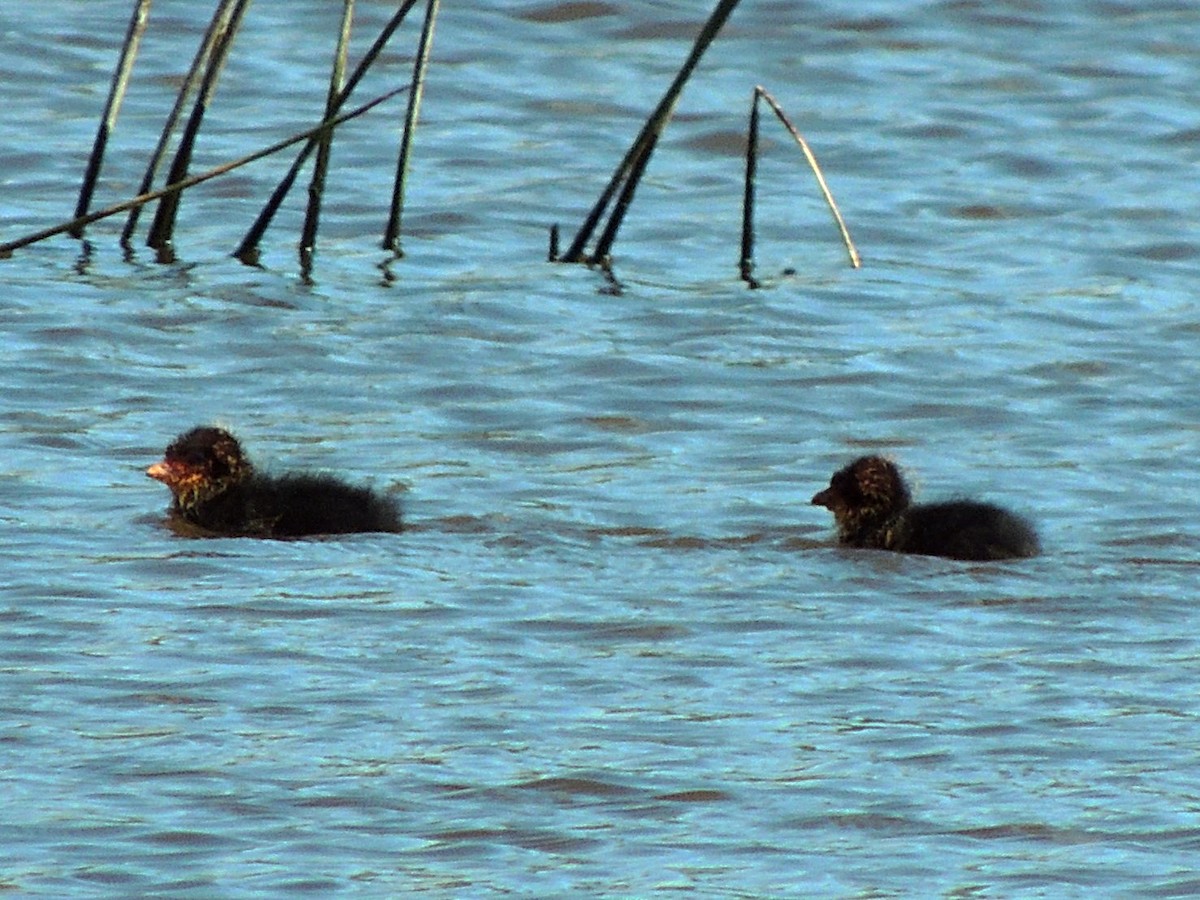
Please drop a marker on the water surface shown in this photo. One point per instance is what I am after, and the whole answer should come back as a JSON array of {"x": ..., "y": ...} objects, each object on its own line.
[{"x": 616, "y": 652}]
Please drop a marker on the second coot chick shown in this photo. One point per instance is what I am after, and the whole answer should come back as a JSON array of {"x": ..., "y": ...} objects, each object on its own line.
[
  {"x": 215, "y": 487},
  {"x": 873, "y": 509}
]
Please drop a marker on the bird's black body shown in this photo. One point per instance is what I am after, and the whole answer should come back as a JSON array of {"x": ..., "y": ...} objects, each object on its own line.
[
  {"x": 295, "y": 505},
  {"x": 873, "y": 509},
  {"x": 215, "y": 488}
]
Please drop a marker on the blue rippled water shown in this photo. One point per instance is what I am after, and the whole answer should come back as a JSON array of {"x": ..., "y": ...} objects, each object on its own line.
[{"x": 616, "y": 653}]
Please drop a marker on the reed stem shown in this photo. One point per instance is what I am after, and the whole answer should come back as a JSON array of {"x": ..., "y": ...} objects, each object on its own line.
[
  {"x": 391, "y": 234},
  {"x": 216, "y": 26},
  {"x": 316, "y": 188},
  {"x": 247, "y": 250},
  {"x": 116, "y": 93},
  {"x": 162, "y": 231},
  {"x": 855, "y": 258},
  {"x": 746, "y": 263},
  {"x": 638, "y": 155},
  {"x": 6, "y": 249}
]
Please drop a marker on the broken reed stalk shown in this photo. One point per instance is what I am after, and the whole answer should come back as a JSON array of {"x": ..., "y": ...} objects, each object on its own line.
[
  {"x": 216, "y": 27},
  {"x": 163, "y": 228},
  {"x": 116, "y": 93},
  {"x": 316, "y": 188},
  {"x": 639, "y": 153},
  {"x": 391, "y": 234},
  {"x": 247, "y": 250},
  {"x": 746, "y": 263},
  {"x": 855, "y": 258},
  {"x": 6, "y": 249},
  {"x": 603, "y": 251}
]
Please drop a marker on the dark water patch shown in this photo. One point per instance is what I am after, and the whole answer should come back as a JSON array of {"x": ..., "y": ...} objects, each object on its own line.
[
  {"x": 1162, "y": 539},
  {"x": 281, "y": 711},
  {"x": 578, "y": 107},
  {"x": 551, "y": 13},
  {"x": 470, "y": 842},
  {"x": 1175, "y": 251},
  {"x": 866, "y": 25},
  {"x": 751, "y": 626},
  {"x": 880, "y": 824},
  {"x": 795, "y": 544},
  {"x": 1148, "y": 214},
  {"x": 1001, "y": 21},
  {"x": 447, "y": 222},
  {"x": 1185, "y": 137},
  {"x": 983, "y": 212},
  {"x": 331, "y": 802},
  {"x": 981, "y": 414},
  {"x": 990, "y": 729},
  {"x": 105, "y": 875},
  {"x": 161, "y": 697},
  {"x": 570, "y": 788},
  {"x": 605, "y": 632},
  {"x": 1178, "y": 887},
  {"x": 1095, "y": 72},
  {"x": 1013, "y": 600},
  {"x": 1186, "y": 564},
  {"x": 189, "y": 839},
  {"x": 469, "y": 391},
  {"x": 1075, "y": 369},
  {"x": 318, "y": 886},
  {"x": 1036, "y": 832},
  {"x": 691, "y": 543},
  {"x": 663, "y": 30},
  {"x": 626, "y": 531},
  {"x": 462, "y": 524},
  {"x": 697, "y": 795},
  {"x": 259, "y": 612},
  {"x": 723, "y": 143},
  {"x": 1025, "y": 165},
  {"x": 939, "y": 131},
  {"x": 619, "y": 424}
]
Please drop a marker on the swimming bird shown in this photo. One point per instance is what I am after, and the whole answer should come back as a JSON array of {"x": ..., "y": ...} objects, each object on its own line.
[
  {"x": 215, "y": 487},
  {"x": 873, "y": 509}
]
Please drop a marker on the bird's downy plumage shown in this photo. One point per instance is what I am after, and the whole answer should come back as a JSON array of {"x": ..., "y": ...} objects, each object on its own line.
[
  {"x": 215, "y": 488},
  {"x": 873, "y": 509}
]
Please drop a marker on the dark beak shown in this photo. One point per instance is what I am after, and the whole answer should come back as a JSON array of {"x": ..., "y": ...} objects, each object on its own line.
[{"x": 825, "y": 498}]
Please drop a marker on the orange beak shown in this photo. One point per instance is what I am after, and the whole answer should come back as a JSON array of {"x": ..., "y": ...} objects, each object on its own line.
[{"x": 164, "y": 471}]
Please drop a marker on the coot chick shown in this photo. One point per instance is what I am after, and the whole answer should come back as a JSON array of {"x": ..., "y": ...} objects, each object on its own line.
[
  {"x": 214, "y": 486},
  {"x": 873, "y": 509}
]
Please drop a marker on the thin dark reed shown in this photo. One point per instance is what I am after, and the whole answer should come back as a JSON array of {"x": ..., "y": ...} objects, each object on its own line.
[
  {"x": 316, "y": 188},
  {"x": 643, "y": 145},
  {"x": 6, "y": 249},
  {"x": 391, "y": 234},
  {"x": 247, "y": 250},
  {"x": 603, "y": 249},
  {"x": 855, "y": 259},
  {"x": 116, "y": 93},
  {"x": 163, "y": 228},
  {"x": 746, "y": 262},
  {"x": 216, "y": 27}
]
